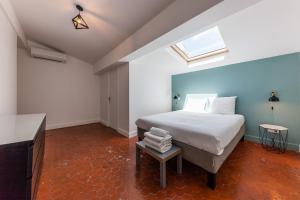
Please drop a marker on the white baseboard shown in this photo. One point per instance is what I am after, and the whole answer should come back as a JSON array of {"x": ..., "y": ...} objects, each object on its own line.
[
  {"x": 70, "y": 124},
  {"x": 126, "y": 133},
  {"x": 132, "y": 134},
  {"x": 123, "y": 132},
  {"x": 105, "y": 123},
  {"x": 290, "y": 146}
]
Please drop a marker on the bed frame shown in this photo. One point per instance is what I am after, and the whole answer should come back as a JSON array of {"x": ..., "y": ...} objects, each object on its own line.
[{"x": 208, "y": 161}]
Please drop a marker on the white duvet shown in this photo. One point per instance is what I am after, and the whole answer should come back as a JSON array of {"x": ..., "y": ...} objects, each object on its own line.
[{"x": 209, "y": 132}]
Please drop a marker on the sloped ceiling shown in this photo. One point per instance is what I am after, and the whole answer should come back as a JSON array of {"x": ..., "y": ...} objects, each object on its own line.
[
  {"x": 266, "y": 29},
  {"x": 111, "y": 21}
]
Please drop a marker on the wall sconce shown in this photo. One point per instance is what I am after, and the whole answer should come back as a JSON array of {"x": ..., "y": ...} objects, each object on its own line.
[
  {"x": 78, "y": 21},
  {"x": 273, "y": 98},
  {"x": 176, "y": 98}
]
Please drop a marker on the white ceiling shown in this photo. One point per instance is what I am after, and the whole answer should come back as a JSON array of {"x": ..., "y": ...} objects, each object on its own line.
[
  {"x": 110, "y": 21},
  {"x": 266, "y": 29}
]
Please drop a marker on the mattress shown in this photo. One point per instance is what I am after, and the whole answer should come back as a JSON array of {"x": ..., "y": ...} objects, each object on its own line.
[{"x": 205, "y": 131}]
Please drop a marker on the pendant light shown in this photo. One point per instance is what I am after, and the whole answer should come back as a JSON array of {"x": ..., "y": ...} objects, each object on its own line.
[{"x": 78, "y": 21}]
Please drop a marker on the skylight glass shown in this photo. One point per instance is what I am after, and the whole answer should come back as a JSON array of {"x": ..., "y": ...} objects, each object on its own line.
[{"x": 207, "y": 43}]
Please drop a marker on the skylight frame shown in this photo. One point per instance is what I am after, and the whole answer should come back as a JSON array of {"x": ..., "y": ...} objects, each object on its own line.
[{"x": 189, "y": 59}]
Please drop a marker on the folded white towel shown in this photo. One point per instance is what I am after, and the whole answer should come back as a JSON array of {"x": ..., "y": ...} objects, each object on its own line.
[
  {"x": 157, "y": 138},
  {"x": 160, "y": 150},
  {"x": 157, "y": 144},
  {"x": 159, "y": 132},
  {"x": 164, "y": 150}
]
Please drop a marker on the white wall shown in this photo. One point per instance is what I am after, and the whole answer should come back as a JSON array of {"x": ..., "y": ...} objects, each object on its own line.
[
  {"x": 150, "y": 84},
  {"x": 68, "y": 92},
  {"x": 8, "y": 67}
]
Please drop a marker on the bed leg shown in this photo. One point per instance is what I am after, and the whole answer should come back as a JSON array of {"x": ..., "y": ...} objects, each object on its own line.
[
  {"x": 211, "y": 180},
  {"x": 243, "y": 139},
  {"x": 140, "y": 139}
]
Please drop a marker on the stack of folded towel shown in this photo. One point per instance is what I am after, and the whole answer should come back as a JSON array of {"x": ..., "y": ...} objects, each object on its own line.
[{"x": 158, "y": 139}]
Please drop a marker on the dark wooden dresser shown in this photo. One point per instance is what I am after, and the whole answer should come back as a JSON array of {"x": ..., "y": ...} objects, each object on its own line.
[{"x": 22, "y": 142}]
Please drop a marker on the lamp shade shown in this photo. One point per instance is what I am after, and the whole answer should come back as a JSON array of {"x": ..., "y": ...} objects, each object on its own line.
[
  {"x": 79, "y": 22},
  {"x": 274, "y": 97},
  {"x": 176, "y": 97}
]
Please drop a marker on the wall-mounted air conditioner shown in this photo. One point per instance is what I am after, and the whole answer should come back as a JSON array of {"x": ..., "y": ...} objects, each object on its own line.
[{"x": 48, "y": 54}]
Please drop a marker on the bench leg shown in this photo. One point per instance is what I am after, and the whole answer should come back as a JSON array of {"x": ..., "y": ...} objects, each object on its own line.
[
  {"x": 179, "y": 164},
  {"x": 163, "y": 177},
  {"x": 211, "y": 180},
  {"x": 137, "y": 157}
]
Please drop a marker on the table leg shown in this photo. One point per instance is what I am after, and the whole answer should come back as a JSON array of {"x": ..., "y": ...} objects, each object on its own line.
[
  {"x": 264, "y": 137},
  {"x": 163, "y": 174},
  {"x": 260, "y": 135},
  {"x": 273, "y": 141},
  {"x": 137, "y": 157},
  {"x": 285, "y": 140},
  {"x": 179, "y": 164},
  {"x": 279, "y": 142},
  {"x": 282, "y": 142}
]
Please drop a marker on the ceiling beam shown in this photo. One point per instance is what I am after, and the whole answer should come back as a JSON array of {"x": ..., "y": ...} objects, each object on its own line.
[
  {"x": 194, "y": 26},
  {"x": 7, "y": 8},
  {"x": 178, "y": 21},
  {"x": 174, "y": 15}
]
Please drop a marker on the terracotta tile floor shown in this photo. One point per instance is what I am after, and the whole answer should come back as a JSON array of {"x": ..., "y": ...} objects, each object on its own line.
[{"x": 94, "y": 162}]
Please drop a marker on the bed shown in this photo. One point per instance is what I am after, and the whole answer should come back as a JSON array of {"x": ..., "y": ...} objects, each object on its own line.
[{"x": 206, "y": 139}]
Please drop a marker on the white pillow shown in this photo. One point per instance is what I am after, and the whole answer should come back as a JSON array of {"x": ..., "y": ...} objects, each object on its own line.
[
  {"x": 224, "y": 105},
  {"x": 210, "y": 100},
  {"x": 195, "y": 104}
]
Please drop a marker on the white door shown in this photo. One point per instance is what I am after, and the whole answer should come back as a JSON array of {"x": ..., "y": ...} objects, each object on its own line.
[
  {"x": 112, "y": 99},
  {"x": 104, "y": 104}
]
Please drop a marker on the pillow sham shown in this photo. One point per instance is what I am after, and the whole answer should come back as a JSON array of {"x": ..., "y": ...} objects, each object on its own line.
[
  {"x": 199, "y": 102},
  {"x": 224, "y": 105},
  {"x": 195, "y": 104}
]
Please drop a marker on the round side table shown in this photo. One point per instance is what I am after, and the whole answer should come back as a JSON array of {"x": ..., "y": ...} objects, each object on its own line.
[{"x": 273, "y": 136}]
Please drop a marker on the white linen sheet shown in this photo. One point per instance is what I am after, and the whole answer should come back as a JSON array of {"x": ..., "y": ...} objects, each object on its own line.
[{"x": 205, "y": 131}]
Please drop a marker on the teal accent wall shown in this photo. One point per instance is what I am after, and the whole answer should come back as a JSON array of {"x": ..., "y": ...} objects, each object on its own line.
[{"x": 252, "y": 82}]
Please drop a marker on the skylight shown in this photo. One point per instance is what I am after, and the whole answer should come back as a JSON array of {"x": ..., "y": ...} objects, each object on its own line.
[{"x": 207, "y": 43}]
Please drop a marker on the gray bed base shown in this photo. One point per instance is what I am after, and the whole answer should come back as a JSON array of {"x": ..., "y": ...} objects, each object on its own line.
[{"x": 208, "y": 161}]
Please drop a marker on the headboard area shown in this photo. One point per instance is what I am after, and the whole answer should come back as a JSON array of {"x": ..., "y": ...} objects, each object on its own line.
[{"x": 252, "y": 82}]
